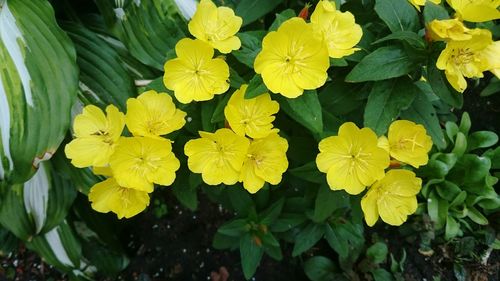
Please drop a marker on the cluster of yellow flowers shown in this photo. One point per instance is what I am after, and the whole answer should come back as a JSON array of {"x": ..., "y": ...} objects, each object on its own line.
[
  {"x": 133, "y": 164},
  {"x": 293, "y": 59},
  {"x": 228, "y": 156},
  {"x": 468, "y": 52},
  {"x": 356, "y": 159}
]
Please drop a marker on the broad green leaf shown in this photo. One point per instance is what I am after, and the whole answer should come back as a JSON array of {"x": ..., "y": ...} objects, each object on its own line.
[
  {"x": 38, "y": 205},
  {"x": 398, "y": 15},
  {"x": 269, "y": 216},
  {"x": 307, "y": 238},
  {"x": 383, "y": 63},
  {"x": 104, "y": 79},
  {"x": 409, "y": 37},
  {"x": 281, "y": 18},
  {"x": 437, "y": 209},
  {"x": 385, "y": 102},
  {"x": 440, "y": 85},
  {"x": 328, "y": 201},
  {"x": 339, "y": 97},
  {"x": 465, "y": 124},
  {"x": 422, "y": 112},
  {"x": 308, "y": 172},
  {"x": 149, "y": 29},
  {"x": 221, "y": 241},
  {"x": 434, "y": 12},
  {"x": 344, "y": 237},
  {"x": 320, "y": 268},
  {"x": 256, "y": 87},
  {"x": 251, "y": 44},
  {"x": 460, "y": 145},
  {"x": 452, "y": 229},
  {"x": 287, "y": 222},
  {"x": 481, "y": 139},
  {"x": 377, "y": 252},
  {"x": 252, "y": 10},
  {"x": 38, "y": 86},
  {"x": 234, "y": 228},
  {"x": 381, "y": 274},
  {"x": 492, "y": 88},
  {"x": 251, "y": 254},
  {"x": 306, "y": 110},
  {"x": 476, "y": 216}
]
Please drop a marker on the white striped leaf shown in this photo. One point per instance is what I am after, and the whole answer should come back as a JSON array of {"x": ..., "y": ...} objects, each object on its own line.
[{"x": 38, "y": 85}]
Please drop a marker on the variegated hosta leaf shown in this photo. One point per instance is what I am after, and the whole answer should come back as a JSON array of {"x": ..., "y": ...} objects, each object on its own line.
[
  {"x": 38, "y": 85},
  {"x": 103, "y": 78},
  {"x": 38, "y": 205},
  {"x": 60, "y": 247},
  {"x": 149, "y": 29}
]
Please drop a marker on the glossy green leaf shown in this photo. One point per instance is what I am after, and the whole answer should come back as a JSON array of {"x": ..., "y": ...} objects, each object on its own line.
[
  {"x": 251, "y": 10},
  {"x": 377, "y": 252},
  {"x": 256, "y": 87},
  {"x": 320, "y": 268},
  {"x": 383, "y": 63},
  {"x": 398, "y": 15},
  {"x": 385, "y": 102},
  {"x": 327, "y": 201},
  {"x": 409, "y": 37},
  {"x": 307, "y": 238},
  {"x": 251, "y": 44},
  {"x": 305, "y": 109},
  {"x": 251, "y": 254},
  {"x": 481, "y": 139},
  {"x": 440, "y": 85}
]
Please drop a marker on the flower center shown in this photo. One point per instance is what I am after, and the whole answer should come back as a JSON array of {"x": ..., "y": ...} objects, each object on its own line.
[{"x": 462, "y": 56}]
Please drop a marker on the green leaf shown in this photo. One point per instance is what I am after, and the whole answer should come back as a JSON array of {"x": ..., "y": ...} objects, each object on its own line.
[
  {"x": 222, "y": 242},
  {"x": 460, "y": 145},
  {"x": 287, "y": 222},
  {"x": 422, "y": 112},
  {"x": 481, "y": 139},
  {"x": 383, "y": 63},
  {"x": 452, "y": 229},
  {"x": 149, "y": 29},
  {"x": 344, "y": 237},
  {"x": 434, "y": 12},
  {"x": 492, "y": 88},
  {"x": 381, "y": 274},
  {"x": 440, "y": 85},
  {"x": 240, "y": 199},
  {"x": 38, "y": 205},
  {"x": 104, "y": 79},
  {"x": 340, "y": 97},
  {"x": 409, "y": 37},
  {"x": 38, "y": 86},
  {"x": 251, "y": 254},
  {"x": 251, "y": 44},
  {"x": 307, "y": 238},
  {"x": 234, "y": 228},
  {"x": 437, "y": 209},
  {"x": 281, "y": 18},
  {"x": 377, "y": 252},
  {"x": 218, "y": 115},
  {"x": 269, "y": 216},
  {"x": 476, "y": 216},
  {"x": 306, "y": 110},
  {"x": 320, "y": 268},
  {"x": 308, "y": 172},
  {"x": 327, "y": 201},
  {"x": 252, "y": 10},
  {"x": 385, "y": 102},
  {"x": 256, "y": 87},
  {"x": 398, "y": 15},
  {"x": 465, "y": 124}
]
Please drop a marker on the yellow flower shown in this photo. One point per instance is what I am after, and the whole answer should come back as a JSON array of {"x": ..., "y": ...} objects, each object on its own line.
[
  {"x": 194, "y": 74},
  {"x": 452, "y": 29},
  {"x": 292, "y": 59},
  {"x": 108, "y": 196},
  {"x": 418, "y": 3},
  {"x": 352, "y": 160},
  {"x": 153, "y": 114},
  {"x": 476, "y": 10},
  {"x": 392, "y": 198},
  {"x": 96, "y": 135},
  {"x": 469, "y": 58},
  {"x": 216, "y": 26},
  {"x": 265, "y": 162},
  {"x": 252, "y": 117},
  {"x": 139, "y": 162},
  {"x": 340, "y": 31},
  {"x": 409, "y": 143},
  {"x": 217, "y": 156}
]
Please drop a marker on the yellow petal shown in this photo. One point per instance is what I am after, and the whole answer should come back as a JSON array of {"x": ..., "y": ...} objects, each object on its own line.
[
  {"x": 369, "y": 207},
  {"x": 88, "y": 151}
]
